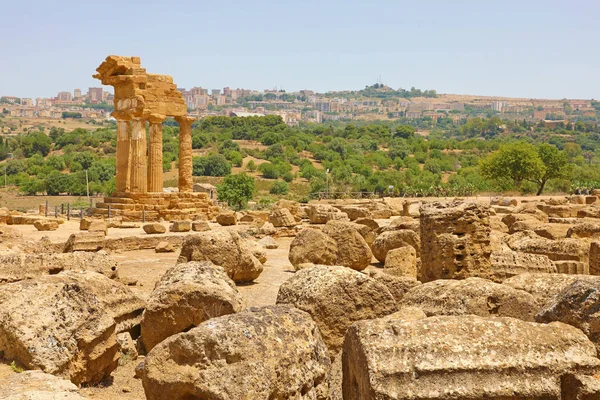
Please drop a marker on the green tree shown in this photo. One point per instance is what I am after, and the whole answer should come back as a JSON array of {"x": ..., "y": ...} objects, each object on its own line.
[
  {"x": 404, "y": 131},
  {"x": 280, "y": 188},
  {"x": 517, "y": 161},
  {"x": 556, "y": 165},
  {"x": 251, "y": 166},
  {"x": 236, "y": 190}
]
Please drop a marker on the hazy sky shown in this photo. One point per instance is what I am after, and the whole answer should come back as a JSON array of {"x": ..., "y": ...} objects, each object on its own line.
[{"x": 525, "y": 48}]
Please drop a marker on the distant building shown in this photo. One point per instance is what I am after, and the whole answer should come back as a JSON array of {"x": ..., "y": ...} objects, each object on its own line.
[
  {"x": 96, "y": 95},
  {"x": 64, "y": 97},
  {"x": 413, "y": 114},
  {"x": 457, "y": 107},
  {"x": 215, "y": 92},
  {"x": 27, "y": 102},
  {"x": 498, "y": 105},
  {"x": 77, "y": 93}
]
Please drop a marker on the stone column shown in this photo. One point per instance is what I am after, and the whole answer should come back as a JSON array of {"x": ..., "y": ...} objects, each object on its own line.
[
  {"x": 186, "y": 183},
  {"x": 123, "y": 144},
  {"x": 155, "y": 155},
  {"x": 139, "y": 182}
]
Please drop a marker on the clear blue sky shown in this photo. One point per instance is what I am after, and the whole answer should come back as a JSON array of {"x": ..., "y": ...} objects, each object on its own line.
[{"x": 526, "y": 48}]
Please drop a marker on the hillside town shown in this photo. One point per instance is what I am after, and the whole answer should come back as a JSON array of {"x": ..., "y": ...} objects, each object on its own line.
[{"x": 376, "y": 102}]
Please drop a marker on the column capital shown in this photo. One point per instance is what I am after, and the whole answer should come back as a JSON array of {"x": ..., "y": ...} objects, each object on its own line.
[
  {"x": 121, "y": 116},
  {"x": 156, "y": 118},
  {"x": 182, "y": 119}
]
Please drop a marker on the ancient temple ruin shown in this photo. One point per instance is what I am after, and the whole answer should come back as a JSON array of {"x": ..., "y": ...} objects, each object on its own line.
[{"x": 142, "y": 98}]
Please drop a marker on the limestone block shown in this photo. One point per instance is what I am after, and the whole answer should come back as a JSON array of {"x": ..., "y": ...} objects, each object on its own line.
[
  {"x": 85, "y": 241},
  {"x": 46, "y": 225},
  {"x": 180, "y": 226},
  {"x": 200, "y": 226},
  {"x": 154, "y": 228},
  {"x": 227, "y": 218}
]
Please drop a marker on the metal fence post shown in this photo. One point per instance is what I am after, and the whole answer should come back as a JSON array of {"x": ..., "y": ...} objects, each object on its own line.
[
  {"x": 46, "y": 210},
  {"x": 55, "y": 211},
  {"x": 109, "y": 211},
  {"x": 62, "y": 208},
  {"x": 68, "y": 211}
]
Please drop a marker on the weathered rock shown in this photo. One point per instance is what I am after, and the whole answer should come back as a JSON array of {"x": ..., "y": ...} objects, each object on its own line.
[
  {"x": 589, "y": 212},
  {"x": 200, "y": 226},
  {"x": 273, "y": 352},
  {"x": 471, "y": 296},
  {"x": 256, "y": 249},
  {"x": 355, "y": 212},
  {"x": 225, "y": 249},
  {"x": 313, "y": 246},
  {"x": 467, "y": 357},
  {"x": 369, "y": 222},
  {"x": 187, "y": 295},
  {"x": 154, "y": 228},
  {"x": 568, "y": 249},
  {"x": 336, "y": 297},
  {"x": 180, "y": 226},
  {"x": 352, "y": 249},
  {"x": 46, "y": 225},
  {"x": 255, "y": 216},
  {"x": 594, "y": 259},
  {"x": 58, "y": 326},
  {"x": 20, "y": 266},
  {"x": 38, "y": 385},
  {"x": 552, "y": 231},
  {"x": 120, "y": 302},
  {"x": 403, "y": 260},
  {"x": 584, "y": 230},
  {"x": 390, "y": 240},
  {"x": 560, "y": 211},
  {"x": 402, "y": 223},
  {"x": 164, "y": 247},
  {"x": 397, "y": 285},
  {"x": 98, "y": 226},
  {"x": 577, "y": 305},
  {"x": 455, "y": 241},
  {"x": 572, "y": 267},
  {"x": 321, "y": 213},
  {"x": 268, "y": 243},
  {"x": 282, "y": 217},
  {"x": 126, "y": 345},
  {"x": 85, "y": 222},
  {"x": 407, "y": 314},
  {"x": 227, "y": 218},
  {"x": 293, "y": 206},
  {"x": 543, "y": 287},
  {"x": 85, "y": 241},
  {"x": 267, "y": 229},
  {"x": 508, "y": 263},
  {"x": 533, "y": 219}
]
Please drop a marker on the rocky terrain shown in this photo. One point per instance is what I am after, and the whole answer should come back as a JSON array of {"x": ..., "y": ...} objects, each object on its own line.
[{"x": 388, "y": 299}]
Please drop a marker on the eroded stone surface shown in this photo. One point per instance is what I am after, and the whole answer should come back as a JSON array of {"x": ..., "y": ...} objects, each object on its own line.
[{"x": 274, "y": 352}]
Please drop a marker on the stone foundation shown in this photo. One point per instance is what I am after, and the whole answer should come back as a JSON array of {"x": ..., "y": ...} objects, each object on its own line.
[{"x": 154, "y": 206}]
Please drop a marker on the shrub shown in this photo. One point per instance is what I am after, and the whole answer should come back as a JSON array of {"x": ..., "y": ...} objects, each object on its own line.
[{"x": 280, "y": 188}]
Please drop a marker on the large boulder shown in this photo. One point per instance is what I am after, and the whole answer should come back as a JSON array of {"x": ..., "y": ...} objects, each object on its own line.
[
  {"x": 38, "y": 385},
  {"x": 402, "y": 261},
  {"x": 58, "y": 326},
  {"x": 401, "y": 223},
  {"x": 471, "y": 296},
  {"x": 352, "y": 249},
  {"x": 355, "y": 212},
  {"x": 313, "y": 246},
  {"x": 119, "y": 301},
  {"x": 256, "y": 249},
  {"x": 390, "y": 240},
  {"x": 543, "y": 287},
  {"x": 336, "y": 297},
  {"x": 268, "y": 243},
  {"x": 223, "y": 248},
  {"x": 187, "y": 295},
  {"x": 466, "y": 357},
  {"x": 455, "y": 241},
  {"x": 18, "y": 266},
  {"x": 274, "y": 352},
  {"x": 578, "y": 305},
  {"x": 508, "y": 263},
  {"x": 282, "y": 217},
  {"x": 200, "y": 226}
]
